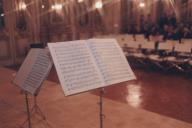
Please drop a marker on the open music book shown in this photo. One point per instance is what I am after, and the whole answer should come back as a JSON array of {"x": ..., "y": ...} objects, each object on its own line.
[
  {"x": 34, "y": 70},
  {"x": 89, "y": 64}
]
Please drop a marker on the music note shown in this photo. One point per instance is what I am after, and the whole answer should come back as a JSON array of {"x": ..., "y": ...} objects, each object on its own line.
[
  {"x": 88, "y": 64},
  {"x": 34, "y": 70}
]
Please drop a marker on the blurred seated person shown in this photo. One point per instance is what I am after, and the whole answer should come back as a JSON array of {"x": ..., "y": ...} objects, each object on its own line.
[
  {"x": 186, "y": 32},
  {"x": 163, "y": 20},
  {"x": 133, "y": 31},
  {"x": 170, "y": 32},
  {"x": 154, "y": 30},
  {"x": 176, "y": 35},
  {"x": 125, "y": 49},
  {"x": 172, "y": 21},
  {"x": 165, "y": 32},
  {"x": 190, "y": 29},
  {"x": 147, "y": 31}
]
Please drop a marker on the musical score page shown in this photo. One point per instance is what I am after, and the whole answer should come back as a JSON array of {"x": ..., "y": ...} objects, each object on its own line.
[
  {"x": 111, "y": 61},
  {"x": 34, "y": 70},
  {"x": 89, "y": 64},
  {"x": 75, "y": 66}
]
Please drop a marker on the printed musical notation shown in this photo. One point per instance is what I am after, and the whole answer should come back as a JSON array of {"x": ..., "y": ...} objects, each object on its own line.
[
  {"x": 88, "y": 64},
  {"x": 34, "y": 70},
  {"x": 111, "y": 61},
  {"x": 75, "y": 66}
]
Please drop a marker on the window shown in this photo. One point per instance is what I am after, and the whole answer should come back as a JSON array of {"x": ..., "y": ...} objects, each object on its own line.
[{"x": 2, "y": 21}]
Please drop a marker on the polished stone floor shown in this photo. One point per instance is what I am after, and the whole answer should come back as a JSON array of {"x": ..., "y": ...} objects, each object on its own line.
[
  {"x": 126, "y": 109},
  {"x": 165, "y": 94}
]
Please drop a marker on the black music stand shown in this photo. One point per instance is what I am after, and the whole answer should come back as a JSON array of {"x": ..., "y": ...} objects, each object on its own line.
[
  {"x": 28, "y": 112},
  {"x": 101, "y": 115},
  {"x": 35, "y": 110}
]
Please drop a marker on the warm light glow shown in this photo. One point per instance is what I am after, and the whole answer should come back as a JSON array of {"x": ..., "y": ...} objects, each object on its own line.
[
  {"x": 116, "y": 25},
  {"x": 2, "y": 14},
  {"x": 53, "y": 7},
  {"x": 134, "y": 95},
  {"x": 142, "y": 4},
  {"x": 98, "y": 5},
  {"x": 42, "y": 6},
  {"x": 80, "y": 1},
  {"x": 57, "y": 7},
  {"x": 22, "y": 6}
]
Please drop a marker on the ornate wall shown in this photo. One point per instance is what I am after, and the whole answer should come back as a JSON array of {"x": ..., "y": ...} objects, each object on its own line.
[{"x": 23, "y": 22}]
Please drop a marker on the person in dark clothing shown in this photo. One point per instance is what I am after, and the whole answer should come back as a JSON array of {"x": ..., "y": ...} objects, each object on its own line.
[
  {"x": 172, "y": 20},
  {"x": 147, "y": 31},
  {"x": 133, "y": 31},
  {"x": 163, "y": 20}
]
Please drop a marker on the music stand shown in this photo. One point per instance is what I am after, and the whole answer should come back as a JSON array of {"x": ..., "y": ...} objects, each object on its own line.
[
  {"x": 28, "y": 111},
  {"x": 92, "y": 64},
  {"x": 35, "y": 110},
  {"x": 30, "y": 77},
  {"x": 101, "y": 115}
]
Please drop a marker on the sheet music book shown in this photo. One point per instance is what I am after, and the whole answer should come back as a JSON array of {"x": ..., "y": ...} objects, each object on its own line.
[
  {"x": 34, "y": 70},
  {"x": 89, "y": 64}
]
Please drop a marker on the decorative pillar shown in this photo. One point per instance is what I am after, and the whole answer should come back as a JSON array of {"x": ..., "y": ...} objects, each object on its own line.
[{"x": 10, "y": 26}]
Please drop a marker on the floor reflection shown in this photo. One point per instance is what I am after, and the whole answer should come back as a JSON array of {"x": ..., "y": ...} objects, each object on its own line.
[
  {"x": 134, "y": 95},
  {"x": 165, "y": 94}
]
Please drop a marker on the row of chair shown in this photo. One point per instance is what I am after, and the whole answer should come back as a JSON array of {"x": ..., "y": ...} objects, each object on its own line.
[
  {"x": 166, "y": 56},
  {"x": 183, "y": 48}
]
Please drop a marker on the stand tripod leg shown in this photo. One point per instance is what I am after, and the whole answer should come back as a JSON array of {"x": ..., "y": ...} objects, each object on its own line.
[
  {"x": 28, "y": 111},
  {"x": 36, "y": 110}
]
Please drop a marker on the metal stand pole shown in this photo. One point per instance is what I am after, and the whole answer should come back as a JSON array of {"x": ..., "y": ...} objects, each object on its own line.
[
  {"x": 101, "y": 115},
  {"x": 28, "y": 111}
]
